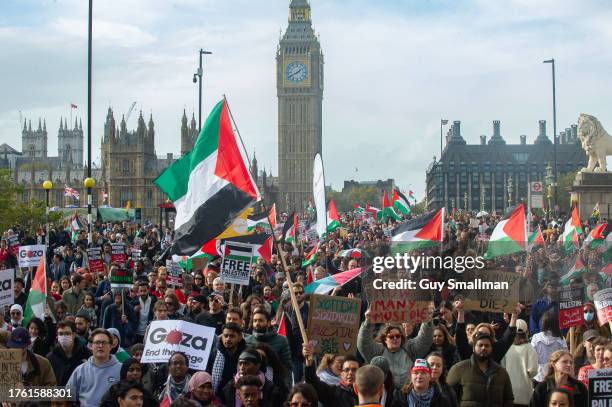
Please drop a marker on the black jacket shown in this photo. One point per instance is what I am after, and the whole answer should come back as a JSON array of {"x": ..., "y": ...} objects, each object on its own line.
[
  {"x": 273, "y": 396},
  {"x": 330, "y": 396},
  {"x": 543, "y": 390},
  {"x": 230, "y": 367},
  {"x": 500, "y": 347},
  {"x": 62, "y": 365}
]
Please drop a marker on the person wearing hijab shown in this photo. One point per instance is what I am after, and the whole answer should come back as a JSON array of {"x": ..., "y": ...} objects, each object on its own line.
[
  {"x": 201, "y": 390},
  {"x": 16, "y": 316}
]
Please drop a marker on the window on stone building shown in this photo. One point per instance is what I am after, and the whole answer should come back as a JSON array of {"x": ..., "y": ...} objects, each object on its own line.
[{"x": 126, "y": 166}]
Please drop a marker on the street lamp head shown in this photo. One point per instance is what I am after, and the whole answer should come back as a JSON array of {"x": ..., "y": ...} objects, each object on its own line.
[
  {"x": 549, "y": 61},
  {"x": 195, "y": 78},
  {"x": 47, "y": 185},
  {"x": 89, "y": 182}
]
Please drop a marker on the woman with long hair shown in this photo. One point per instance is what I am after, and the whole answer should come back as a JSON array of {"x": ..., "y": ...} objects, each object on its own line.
[
  {"x": 42, "y": 335},
  {"x": 546, "y": 342},
  {"x": 521, "y": 362},
  {"x": 560, "y": 374},
  {"x": 251, "y": 302},
  {"x": 421, "y": 390},
  {"x": 438, "y": 376},
  {"x": 444, "y": 343},
  {"x": 330, "y": 368},
  {"x": 302, "y": 395}
]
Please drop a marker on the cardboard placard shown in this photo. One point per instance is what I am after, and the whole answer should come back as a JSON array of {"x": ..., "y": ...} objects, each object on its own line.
[
  {"x": 570, "y": 307},
  {"x": 7, "y": 282},
  {"x": 169, "y": 336},
  {"x": 10, "y": 368},
  {"x": 483, "y": 298},
  {"x": 236, "y": 263},
  {"x": 29, "y": 256},
  {"x": 175, "y": 274},
  {"x": 600, "y": 387},
  {"x": 94, "y": 259},
  {"x": 603, "y": 304},
  {"x": 333, "y": 324},
  {"x": 396, "y": 305},
  {"x": 121, "y": 278},
  {"x": 118, "y": 255}
]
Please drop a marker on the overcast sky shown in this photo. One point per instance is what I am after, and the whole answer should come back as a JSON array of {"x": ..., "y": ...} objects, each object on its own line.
[{"x": 393, "y": 69}]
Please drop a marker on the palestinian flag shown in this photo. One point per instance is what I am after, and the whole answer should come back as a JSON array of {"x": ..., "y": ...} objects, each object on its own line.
[
  {"x": 597, "y": 236},
  {"x": 387, "y": 211},
  {"x": 325, "y": 285},
  {"x": 258, "y": 220},
  {"x": 572, "y": 229},
  {"x": 210, "y": 186},
  {"x": 358, "y": 209},
  {"x": 411, "y": 197},
  {"x": 576, "y": 271},
  {"x": 333, "y": 220},
  {"x": 75, "y": 226},
  {"x": 536, "y": 238},
  {"x": 35, "y": 306},
  {"x": 311, "y": 256},
  {"x": 282, "y": 326},
  {"x": 272, "y": 217},
  {"x": 510, "y": 234},
  {"x": 261, "y": 244},
  {"x": 290, "y": 228},
  {"x": 400, "y": 202},
  {"x": 371, "y": 210},
  {"x": 417, "y": 233},
  {"x": 209, "y": 250},
  {"x": 351, "y": 254}
]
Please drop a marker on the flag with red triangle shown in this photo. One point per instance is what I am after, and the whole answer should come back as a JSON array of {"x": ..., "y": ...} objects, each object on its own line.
[
  {"x": 387, "y": 211},
  {"x": 420, "y": 232},
  {"x": 290, "y": 228},
  {"x": 37, "y": 297},
  {"x": 333, "y": 220},
  {"x": 311, "y": 256},
  {"x": 272, "y": 217},
  {"x": 509, "y": 235},
  {"x": 571, "y": 230},
  {"x": 282, "y": 326},
  {"x": 400, "y": 202},
  {"x": 536, "y": 238},
  {"x": 371, "y": 210}
]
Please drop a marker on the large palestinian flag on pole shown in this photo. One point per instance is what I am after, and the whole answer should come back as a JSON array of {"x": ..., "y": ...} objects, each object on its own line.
[
  {"x": 387, "y": 210},
  {"x": 35, "y": 306},
  {"x": 510, "y": 234},
  {"x": 536, "y": 238},
  {"x": 325, "y": 285},
  {"x": 417, "y": 233},
  {"x": 210, "y": 186},
  {"x": 571, "y": 230},
  {"x": 260, "y": 242},
  {"x": 400, "y": 202},
  {"x": 333, "y": 220},
  {"x": 290, "y": 228}
]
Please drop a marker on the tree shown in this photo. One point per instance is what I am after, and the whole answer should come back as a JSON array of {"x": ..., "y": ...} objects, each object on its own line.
[
  {"x": 345, "y": 201},
  {"x": 30, "y": 215}
]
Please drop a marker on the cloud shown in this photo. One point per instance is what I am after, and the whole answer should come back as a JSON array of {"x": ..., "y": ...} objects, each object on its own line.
[{"x": 105, "y": 33}]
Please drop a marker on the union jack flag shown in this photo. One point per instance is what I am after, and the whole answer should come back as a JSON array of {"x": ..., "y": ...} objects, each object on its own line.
[{"x": 71, "y": 192}]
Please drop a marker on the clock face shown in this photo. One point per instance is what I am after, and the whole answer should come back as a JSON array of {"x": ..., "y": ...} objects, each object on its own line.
[{"x": 296, "y": 72}]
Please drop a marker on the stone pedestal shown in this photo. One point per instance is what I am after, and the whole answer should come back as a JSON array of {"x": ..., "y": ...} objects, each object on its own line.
[{"x": 593, "y": 187}]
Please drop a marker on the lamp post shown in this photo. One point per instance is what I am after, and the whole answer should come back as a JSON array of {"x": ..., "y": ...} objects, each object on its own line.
[
  {"x": 554, "y": 172},
  {"x": 197, "y": 77},
  {"x": 549, "y": 182},
  {"x": 47, "y": 185},
  {"x": 89, "y": 184},
  {"x": 465, "y": 201},
  {"x": 443, "y": 122},
  {"x": 482, "y": 197},
  {"x": 510, "y": 190}
]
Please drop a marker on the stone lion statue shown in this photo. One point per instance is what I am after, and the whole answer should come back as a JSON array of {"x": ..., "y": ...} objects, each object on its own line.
[{"x": 595, "y": 141}]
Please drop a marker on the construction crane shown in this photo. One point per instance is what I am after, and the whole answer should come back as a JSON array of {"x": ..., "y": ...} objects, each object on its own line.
[{"x": 129, "y": 113}]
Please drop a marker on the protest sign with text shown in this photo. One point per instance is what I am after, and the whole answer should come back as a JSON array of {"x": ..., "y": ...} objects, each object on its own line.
[
  {"x": 175, "y": 274},
  {"x": 94, "y": 258},
  {"x": 169, "y": 336},
  {"x": 118, "y": 255},
  {"x": 236, "y": 263},
  {"x": 7, "y": 281},
  {"x": 10, "y": 368},
  {"x": 121, "y": 278},
  {"x": 29, "y": 256},
  {"x": 600, "y": 387},
  {"x": 603, "y": 304},
  {"x": 333, "y": 324},
  {"x": 570, "y": 307},
  {"x": 491, "y": 300}
]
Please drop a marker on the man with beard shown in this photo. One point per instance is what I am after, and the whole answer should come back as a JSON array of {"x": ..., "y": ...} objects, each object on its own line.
[
  {"x": 480, "y": 380},
  {"x": 262, "y": 333},
  {"x": 215, "y": 317},
  {"x": 143, "y": 308},
  {"x": 82, "y": 324},
  {"x": 223, "y": 361},
  {"x": 196, "y": 305}
]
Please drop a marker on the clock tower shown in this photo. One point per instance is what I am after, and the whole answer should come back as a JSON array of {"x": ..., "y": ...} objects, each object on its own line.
[{"x": 299, "y": 85}]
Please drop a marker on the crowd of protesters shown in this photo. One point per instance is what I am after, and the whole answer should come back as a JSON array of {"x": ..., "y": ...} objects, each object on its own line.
[{"x": 91, "y": 336}]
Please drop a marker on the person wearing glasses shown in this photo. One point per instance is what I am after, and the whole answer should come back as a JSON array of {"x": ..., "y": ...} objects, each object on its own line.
[
  {"x": 215, "y": 316},
  {"x": 92, "y": 379},
  {"x": 394, "y": 346},
  {"x": 294, "y": 336},
  {"x": 302, "y": 395},
  {"x": 342, "y": 395}
]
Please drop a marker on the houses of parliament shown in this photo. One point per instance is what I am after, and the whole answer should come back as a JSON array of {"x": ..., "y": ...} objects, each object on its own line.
[{"x": 129, "y": 163}]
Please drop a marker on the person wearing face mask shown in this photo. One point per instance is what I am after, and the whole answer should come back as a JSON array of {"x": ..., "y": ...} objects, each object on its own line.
[
  {"x": 68, "y": 353},
  {"x": 590, "y": 322}
]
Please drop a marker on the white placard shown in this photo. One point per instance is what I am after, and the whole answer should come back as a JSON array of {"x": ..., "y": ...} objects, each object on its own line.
[
  {"x": 29, "y": 256},
  {"x": 7, "y": 282}
]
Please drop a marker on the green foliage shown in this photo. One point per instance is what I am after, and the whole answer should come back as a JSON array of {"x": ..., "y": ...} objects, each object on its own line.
[
  {"x": 565, "y": 181},
  {"x": 362, "y": 195},
  {"x": 30, "y": 215},
  {"x": 418, "y": 209}
]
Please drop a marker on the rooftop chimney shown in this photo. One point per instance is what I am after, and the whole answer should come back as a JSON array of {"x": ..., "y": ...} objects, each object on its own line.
[
  {"x": 562, "y": 137},
  {"x": 483, "y": 140},
  {"x": 574, "y": 132},
  {"x": 497, "y": 138},
  {"x": 542, "y": 137},
  {"x": 523, "y": 140},
  {"x": 456, "y": 134},
  {"x": 169, "y": 156}
]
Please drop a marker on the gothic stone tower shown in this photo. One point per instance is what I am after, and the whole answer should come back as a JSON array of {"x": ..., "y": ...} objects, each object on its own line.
[
  {"x": 34, "y": 143},
  {"x": 189, "y": 134},
  {"x": 299, "y": 84},
  {"x": 70, "y": 144}
]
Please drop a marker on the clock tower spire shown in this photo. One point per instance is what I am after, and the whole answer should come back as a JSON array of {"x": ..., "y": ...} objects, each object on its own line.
[{"x": 299, "y": 85}]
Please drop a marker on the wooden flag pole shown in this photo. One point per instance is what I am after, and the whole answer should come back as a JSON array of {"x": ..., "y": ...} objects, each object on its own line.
[{"x": 281, "y": 253}]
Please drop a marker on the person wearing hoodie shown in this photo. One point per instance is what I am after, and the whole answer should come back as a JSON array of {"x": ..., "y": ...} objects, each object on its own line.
[
  {"x": 68, "y": 353},
  {"x": 131, "y": 371},
  {"x": 93, "y": 378},
  {"x": 546, "y": 342},
  {"x": 223, "y": 361},
  {"x": 262, "y": 332},
  {"x": 116, "y": 350},
  {"x": 521, "y": 362}
]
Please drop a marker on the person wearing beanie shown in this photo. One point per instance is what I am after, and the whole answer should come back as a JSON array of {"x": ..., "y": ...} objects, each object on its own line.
[
  {"x": 35, "y": 369},
  {"x": 201, "y": 390},
  {"x": 521, "y": 362},
  {"x": 250, "y": 364},
  {"x": 480, "y": 380},
  {"x": 421, "y": 390}
]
